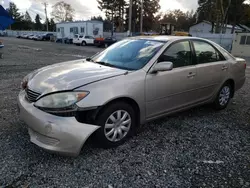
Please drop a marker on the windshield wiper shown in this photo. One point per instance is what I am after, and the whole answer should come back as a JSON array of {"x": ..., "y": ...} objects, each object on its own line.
[
  {"x": 89, "y": 59},
  {"x": 111, "y": 65},
  {"x": 105, "y": 64}
]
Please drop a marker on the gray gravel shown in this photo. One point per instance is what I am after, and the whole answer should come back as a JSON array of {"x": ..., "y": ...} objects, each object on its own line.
[{"x": 196, "y": 148}]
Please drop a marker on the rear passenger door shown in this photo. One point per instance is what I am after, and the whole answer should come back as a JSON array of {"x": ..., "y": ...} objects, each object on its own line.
[
  {"x": 91, "y": 40},
  {"x": 211, "y": 68}
]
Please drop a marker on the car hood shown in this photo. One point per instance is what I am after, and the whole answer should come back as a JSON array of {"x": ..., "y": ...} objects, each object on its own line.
[{"x": 69, "y": 75}]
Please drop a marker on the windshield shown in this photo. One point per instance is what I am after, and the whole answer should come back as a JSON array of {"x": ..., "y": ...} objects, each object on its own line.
[{"x": 129, "y": 54}]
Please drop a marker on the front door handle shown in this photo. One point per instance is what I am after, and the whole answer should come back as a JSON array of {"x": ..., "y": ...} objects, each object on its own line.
[
  {"x": 191, "y": 75},
  {"x": 224, "y": 67}
]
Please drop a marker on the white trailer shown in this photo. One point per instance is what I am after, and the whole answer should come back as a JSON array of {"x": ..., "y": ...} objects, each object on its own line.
[{"x": 84, "y": 28}]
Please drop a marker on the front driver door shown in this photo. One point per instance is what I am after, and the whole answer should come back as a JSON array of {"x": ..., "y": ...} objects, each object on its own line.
[{"x": 172, "y": 90}]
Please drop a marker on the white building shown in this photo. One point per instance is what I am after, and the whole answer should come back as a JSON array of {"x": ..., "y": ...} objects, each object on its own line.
[
  {"x": 206, "y": 27},
  {"x": 69, "y": 29},
  {"x": 241, "y": 45}
]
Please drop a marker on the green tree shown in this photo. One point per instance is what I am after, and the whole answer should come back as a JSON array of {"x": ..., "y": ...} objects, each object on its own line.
[
  {"x": 52, "y": 25},
  {"x": 114, "y": 11},
  {"x": 27, "y": 22},
  {"x": 62, "y": 12},
  {"x": 14, "y": 13},
  {"x": 98, "y": 18},
  {"x": 150, "y": 8},
  {"x": 238, "y": 13},
  {"x": 222, "y": 12},
  {"x": 38, "y": 24},
  {"x": 150, "y": 18},
  {"x": 181, "y": 20}
]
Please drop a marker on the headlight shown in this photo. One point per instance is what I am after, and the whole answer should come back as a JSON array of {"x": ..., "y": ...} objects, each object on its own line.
[{"x": 60, "y": 100}]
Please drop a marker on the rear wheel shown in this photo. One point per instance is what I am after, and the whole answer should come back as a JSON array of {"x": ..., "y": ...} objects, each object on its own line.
[
  {"x": 117, "y": 123},
  {"x": 223, "y": 96}
]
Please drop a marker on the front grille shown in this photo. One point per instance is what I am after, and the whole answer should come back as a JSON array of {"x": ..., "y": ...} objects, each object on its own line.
[{"x": 32, "y": 95}]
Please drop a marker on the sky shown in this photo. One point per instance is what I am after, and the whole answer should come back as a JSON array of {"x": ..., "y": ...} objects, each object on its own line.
[{"x": 84, "y": 9}]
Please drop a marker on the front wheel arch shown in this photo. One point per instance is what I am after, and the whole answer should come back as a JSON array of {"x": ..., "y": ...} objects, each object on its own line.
[
  {"x": 128, "y": 100},
  {"x": 84, "y": 43}
]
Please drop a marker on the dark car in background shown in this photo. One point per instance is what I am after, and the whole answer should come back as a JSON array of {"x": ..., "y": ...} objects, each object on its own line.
[
  {"x": 47, "y": 36},
  {"x": 100, "y": 42}
]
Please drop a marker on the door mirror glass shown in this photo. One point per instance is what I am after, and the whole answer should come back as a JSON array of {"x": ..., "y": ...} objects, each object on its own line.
[{"x": 163, "y": 66}]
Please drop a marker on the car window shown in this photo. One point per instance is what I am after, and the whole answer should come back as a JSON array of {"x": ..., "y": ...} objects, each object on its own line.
[
  {"x": 81, "y": 36},
  {"x": 129, "y": 54},
  {"x": 91, "y": 37},
  {"x": 86, "y": 37},
  {"x": 178, "y": 53},
  {"x": 206, "y": 53},
  {"x": 76, "y": 36}
]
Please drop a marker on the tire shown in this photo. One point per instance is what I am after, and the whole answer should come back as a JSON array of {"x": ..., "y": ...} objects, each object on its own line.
[
  {"x": 84, "y": 43},
  {"x": 223, "y": 97},
  {"x": 107, "y": 126}
]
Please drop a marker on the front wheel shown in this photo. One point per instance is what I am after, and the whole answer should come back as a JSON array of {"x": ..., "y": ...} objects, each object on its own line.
[
  {"x": 84, "y": 43},
  {"x": 223, "y": 97},
  {"x": 117, "y": 123}
]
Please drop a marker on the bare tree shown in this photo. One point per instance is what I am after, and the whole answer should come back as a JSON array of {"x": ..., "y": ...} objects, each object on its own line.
[
  {"x": 224, "y": 13},
  {"x": 62, "y": 12}
]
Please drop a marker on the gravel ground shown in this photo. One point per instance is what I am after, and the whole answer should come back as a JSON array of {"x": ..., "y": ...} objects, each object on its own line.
[{"x": 196, "y": 148}]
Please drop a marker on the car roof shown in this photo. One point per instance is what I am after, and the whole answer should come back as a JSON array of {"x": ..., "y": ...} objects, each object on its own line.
[{"x": 164, "y": 38}]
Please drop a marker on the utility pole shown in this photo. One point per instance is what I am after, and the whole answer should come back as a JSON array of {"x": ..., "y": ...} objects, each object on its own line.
[
  {"x": 130, "y": 17},
  {"x": 112, "y": 28},
  {"x": 141, "y": 26},
  {"x": 46, "y": 15}
]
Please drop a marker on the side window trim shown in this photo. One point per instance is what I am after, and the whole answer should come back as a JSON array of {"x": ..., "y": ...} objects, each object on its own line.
[
  {"x": 194, "y": 54},
  {"x": 190, "y": 46}
]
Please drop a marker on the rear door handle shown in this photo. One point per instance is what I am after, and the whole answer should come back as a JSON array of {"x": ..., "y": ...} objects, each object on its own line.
[
  {"x": 224, "y": 68},
  {"x": 191, "y": 75}
]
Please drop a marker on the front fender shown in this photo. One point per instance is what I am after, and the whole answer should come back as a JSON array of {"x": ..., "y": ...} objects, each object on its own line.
[{"x": 130, "y": 86}]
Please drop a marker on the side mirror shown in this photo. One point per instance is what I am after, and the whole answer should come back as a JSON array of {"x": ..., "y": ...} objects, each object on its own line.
[{"x": 162, "y": 66}]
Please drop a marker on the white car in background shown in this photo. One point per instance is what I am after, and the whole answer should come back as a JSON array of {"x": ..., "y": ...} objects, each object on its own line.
[{"x": 83, "y": 40}]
